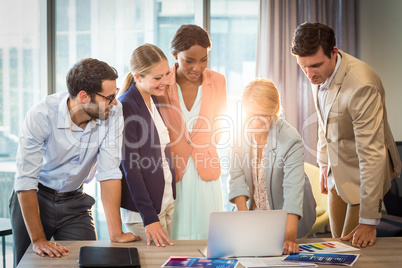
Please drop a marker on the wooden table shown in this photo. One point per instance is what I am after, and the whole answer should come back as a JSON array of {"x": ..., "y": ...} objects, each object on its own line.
[{"x": 387, "y": 252}]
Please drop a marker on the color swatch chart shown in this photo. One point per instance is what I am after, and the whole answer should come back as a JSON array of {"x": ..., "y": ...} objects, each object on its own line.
[{"x": 325, "y": 247}]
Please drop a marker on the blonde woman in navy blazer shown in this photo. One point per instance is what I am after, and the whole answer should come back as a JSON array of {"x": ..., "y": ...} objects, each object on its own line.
[
  {"x": 148, "y": 184},
  {"x": 280, "y": 155}
]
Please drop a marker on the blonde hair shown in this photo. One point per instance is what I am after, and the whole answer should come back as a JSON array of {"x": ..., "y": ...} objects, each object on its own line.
[
  {"x": 263, "y": 94},
  {"x": 143, "y": 58}
]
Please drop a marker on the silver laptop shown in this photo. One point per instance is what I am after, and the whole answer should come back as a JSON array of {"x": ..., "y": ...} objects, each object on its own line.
[{"x": 246, "y": 233}]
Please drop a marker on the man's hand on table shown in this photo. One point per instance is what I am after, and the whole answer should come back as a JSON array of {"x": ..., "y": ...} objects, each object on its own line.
[
  {"x": 53, "y": 249},
  {"x": 362, "y": 236}
]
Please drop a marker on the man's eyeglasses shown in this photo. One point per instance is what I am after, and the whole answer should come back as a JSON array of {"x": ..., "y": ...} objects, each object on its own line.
[{"x": 111, "y": 97}]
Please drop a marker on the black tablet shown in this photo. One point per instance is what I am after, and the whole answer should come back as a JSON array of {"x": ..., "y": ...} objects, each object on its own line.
[{"x": 108, "y": 257}]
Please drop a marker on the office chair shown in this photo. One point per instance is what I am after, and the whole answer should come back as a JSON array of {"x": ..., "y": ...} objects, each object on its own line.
[
  {"x": 313, "y": 173},
  {"x": 391, "y": 222}
]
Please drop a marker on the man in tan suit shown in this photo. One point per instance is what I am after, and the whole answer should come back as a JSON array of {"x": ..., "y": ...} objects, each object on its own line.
[{"x": 356, "y": 151}]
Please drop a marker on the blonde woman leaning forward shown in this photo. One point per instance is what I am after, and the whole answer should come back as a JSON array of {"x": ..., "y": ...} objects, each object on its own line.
[
  {"x": 195, "y": 99},
  {"x": 148, "y": 185},
  {"x": 267, "y": 166}
]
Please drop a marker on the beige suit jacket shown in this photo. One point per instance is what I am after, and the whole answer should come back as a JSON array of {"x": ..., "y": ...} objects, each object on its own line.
[{"x": 355, "y": 139}]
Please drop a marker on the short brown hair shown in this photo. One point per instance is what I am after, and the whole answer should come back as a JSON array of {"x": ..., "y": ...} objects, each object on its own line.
[
  {"x": 88, "y": 74},
  {"x": 309, "y": 37}
]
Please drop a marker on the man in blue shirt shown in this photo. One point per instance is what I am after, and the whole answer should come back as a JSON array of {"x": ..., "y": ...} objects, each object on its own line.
[{"x": 64, "y": 140}]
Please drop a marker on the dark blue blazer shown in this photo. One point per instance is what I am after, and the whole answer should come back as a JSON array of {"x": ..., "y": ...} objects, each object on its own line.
[{"x": 143, "y": 181}]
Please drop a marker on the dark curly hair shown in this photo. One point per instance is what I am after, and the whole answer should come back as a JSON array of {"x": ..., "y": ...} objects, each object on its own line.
[
  {"x": 88, "y": 74},
  {"x": 309, "y": 37}
]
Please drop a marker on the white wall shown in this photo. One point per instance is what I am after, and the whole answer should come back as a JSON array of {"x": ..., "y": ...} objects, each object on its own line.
[{"x": 380, "y": 45}]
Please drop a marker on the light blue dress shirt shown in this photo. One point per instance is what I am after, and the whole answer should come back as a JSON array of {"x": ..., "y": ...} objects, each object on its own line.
[{"x": 60, "y": 155}]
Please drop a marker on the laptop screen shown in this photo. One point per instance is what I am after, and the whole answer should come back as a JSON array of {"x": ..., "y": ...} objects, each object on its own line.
[{"x": 246, "y": 233}]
